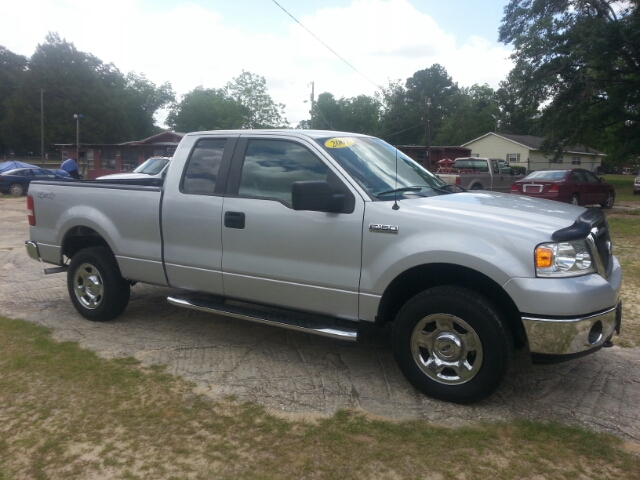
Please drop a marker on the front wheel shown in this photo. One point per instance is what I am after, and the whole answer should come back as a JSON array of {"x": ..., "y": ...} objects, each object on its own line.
[
  {"x": 451, "y": 344},
  {"x": 96, "y": 288}
]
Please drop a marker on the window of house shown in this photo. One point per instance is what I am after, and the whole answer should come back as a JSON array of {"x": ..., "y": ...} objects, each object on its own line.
[
  {"x": 108, "y": 159},
  {"x": 557, "y": 160},
  {"x": 129, "y": 159},
  {"x": 90, "y": 159},
  {"x": 576, "y": 160},
  {"x": 271, "y": 166},
  {"x": 513, "y": 157},
  {"x": 202, "y": 167}
]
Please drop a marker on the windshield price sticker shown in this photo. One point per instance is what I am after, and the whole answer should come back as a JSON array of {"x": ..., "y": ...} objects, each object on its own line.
[{"x": 339, "y": 142}]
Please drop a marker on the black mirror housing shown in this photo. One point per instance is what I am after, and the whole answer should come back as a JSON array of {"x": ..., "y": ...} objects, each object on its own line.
[{"x": 315, "y": 196}]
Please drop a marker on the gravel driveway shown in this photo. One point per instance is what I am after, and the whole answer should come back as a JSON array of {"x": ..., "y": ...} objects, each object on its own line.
[{"x": 298, "y": 374}]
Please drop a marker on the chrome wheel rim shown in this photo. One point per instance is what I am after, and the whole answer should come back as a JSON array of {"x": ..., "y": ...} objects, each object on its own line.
[
  {"x": 574, "y": 200},
  {"x": 447, "y": 349},
  {"x": 16, "y": 190},
  {"x": 88, "y": 286}
]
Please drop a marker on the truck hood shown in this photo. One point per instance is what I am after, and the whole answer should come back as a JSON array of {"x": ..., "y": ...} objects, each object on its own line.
[{"x": 499, "y": 209}]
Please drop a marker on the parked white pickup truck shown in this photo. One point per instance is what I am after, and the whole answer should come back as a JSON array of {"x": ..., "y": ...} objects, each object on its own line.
[
  {"x": 475, "y": 173},
  {"x": 322, "y": 232}
]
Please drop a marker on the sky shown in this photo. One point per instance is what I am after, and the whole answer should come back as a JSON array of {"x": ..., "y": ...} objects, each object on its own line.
[{"x": 209, "y": 42}]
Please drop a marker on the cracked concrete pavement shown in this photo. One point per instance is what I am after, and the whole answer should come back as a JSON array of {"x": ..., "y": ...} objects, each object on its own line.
[{"x": 300, "y": 374}]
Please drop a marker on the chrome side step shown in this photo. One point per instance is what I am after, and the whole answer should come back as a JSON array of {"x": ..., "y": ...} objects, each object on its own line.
[{"x": 301, "y": 322}]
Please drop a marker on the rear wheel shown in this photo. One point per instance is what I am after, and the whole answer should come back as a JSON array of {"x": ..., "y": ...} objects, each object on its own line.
[
  {"x": 96, "y": 288},
  {"x": 608, "y": 203},
  {"x": 451, "y": 344},
  {"x": 575, "y": 199},
  {"x": 477, "y": 186},
  {"x": 16, "y": 189}
]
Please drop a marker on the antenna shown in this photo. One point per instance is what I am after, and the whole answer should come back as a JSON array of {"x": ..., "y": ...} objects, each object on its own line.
[{"x": 395, "y": 188}]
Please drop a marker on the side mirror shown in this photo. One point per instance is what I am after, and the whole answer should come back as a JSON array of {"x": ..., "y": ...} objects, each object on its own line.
[{"x": 316, "y": 197}]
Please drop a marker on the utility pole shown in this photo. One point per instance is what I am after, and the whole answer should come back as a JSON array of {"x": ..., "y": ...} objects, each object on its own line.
[
  {"x": 427, "y": 134},
  {"x": 78, "y": 117},
  {"x": 313, "y": 101},
  {"x": 42, "y": 125}
]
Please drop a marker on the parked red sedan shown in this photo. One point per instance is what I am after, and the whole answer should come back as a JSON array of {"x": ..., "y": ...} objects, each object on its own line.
[{"x": 576, "y": 186}]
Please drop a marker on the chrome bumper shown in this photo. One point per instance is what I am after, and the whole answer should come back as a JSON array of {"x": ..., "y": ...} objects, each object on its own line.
[
  {"x": 32, "y": 250},
  {"x": 574, "y": 335}
]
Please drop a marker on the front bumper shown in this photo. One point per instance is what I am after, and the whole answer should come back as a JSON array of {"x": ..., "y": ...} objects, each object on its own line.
[{"x": 572, "y": 336}]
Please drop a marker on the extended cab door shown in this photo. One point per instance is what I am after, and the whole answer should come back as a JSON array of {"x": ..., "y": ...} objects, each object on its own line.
[
  {"x": 272, "y": 254},
  {"x": 192, "y": 213}
]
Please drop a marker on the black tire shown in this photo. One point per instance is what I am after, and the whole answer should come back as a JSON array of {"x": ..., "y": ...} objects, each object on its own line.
[
  {"x": 575, "y": 199},
  {"x": 96, "y": 288},
  {"x": 457, "y": 326},
  {"x": 611, "y": 198},
  {"x": 16, "y": 189},
  {"x": 476, "y": 187}
]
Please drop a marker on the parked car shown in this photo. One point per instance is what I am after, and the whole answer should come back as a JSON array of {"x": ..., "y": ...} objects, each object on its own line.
[
  {"x": 576, "y": 186},
  {"x": 16, "y": 182},
  {"x": 636, "y": 185},
  {"x": 152, "y": 167}
]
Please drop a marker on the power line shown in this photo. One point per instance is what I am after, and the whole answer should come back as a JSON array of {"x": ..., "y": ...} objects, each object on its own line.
[
  {"x": 328, "y": 47},
  {"x": 395, "y": 133}
]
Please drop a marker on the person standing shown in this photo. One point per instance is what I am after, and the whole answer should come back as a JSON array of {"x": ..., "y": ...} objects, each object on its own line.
[{"x": 71, "y": 167}]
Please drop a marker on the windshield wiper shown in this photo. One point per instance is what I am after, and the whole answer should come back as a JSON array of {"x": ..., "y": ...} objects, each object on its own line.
[{"x": 400, "y": 190}]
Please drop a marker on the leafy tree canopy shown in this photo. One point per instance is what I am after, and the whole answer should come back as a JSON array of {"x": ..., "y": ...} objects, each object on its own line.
[
  {"x": 580, "y": 59},
  {"x": 116, "y": 108},
  {"x": 206, "y": 109},
  {"x": 250, "y": 90}
]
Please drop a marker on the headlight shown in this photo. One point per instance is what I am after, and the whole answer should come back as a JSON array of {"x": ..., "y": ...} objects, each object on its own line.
[{"x": 565, "y": 259}]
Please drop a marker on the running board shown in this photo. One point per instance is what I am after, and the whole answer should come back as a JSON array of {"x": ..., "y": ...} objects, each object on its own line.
[{"x": 301, "y": 322}]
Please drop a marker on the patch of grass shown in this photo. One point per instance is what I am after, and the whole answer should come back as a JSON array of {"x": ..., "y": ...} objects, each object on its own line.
[
  {"x": 64, "y": 412},
  {"x": 624, "y": 187}
]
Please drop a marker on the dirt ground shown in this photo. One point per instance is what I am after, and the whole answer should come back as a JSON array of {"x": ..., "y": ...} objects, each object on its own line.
[{"x": 299, "y": 375}]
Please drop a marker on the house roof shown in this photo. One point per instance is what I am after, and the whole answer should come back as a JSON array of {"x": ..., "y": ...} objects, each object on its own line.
[{"x": 535, "y": 143}]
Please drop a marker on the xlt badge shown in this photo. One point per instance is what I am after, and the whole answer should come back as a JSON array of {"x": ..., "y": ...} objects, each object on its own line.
[{"x": 377, "y": 227}]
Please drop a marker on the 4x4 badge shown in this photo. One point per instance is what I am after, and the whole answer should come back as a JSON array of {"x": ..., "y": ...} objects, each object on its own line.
[{"x": 377, "y": 227}]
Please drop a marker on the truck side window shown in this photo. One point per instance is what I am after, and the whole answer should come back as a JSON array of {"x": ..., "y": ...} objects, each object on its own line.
[
  {"x": 271, "y": 166},
  {"x": 202, "y": 167},
  {"x": 494, "y": 164}
]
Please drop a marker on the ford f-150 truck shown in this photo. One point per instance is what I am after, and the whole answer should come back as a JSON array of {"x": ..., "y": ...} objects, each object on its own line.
[
  {"x": 474, "y": 173},
  {"x": 323, "y": 232}
]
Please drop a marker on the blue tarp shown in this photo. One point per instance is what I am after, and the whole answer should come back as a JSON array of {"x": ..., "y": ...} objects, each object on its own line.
[{"x": 4, "y": 166}]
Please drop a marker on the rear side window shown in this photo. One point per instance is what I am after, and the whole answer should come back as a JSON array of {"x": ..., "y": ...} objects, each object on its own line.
[
  {"x": 271, "y": 166},
  {"x": 202, "y": 168}
]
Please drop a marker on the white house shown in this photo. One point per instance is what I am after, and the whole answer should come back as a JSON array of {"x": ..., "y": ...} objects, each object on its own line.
[{"x": 525, "y": 151}]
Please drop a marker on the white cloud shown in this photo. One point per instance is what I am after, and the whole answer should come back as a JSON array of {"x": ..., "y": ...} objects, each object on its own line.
[{"x": 189, "y": 45}]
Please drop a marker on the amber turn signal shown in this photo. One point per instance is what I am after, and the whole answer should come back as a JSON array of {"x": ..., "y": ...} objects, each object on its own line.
[{"x": 544, "y": 257}]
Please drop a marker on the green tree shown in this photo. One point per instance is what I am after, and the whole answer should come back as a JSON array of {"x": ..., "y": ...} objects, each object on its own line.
[
  {"x": 115, "y": 108},
  {"x": 206, "y": 109},
  {"x": 581, "y": 60},
  {"x": 358, "y": 114},
  {"x": 476, "y": 112},
  {"x": 261, "y": 111}
]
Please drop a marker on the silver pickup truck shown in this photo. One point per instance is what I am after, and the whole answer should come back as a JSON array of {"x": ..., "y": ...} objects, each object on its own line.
[
  {"x": 474, "y": 173},
  {"x": 323, "y": 232}
]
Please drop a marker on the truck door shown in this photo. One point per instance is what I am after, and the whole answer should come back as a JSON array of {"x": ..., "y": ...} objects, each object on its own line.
[
  {"x": 497, "y": 178},
  {"x": 273, "y": 254},
  {"x": 192, "y": 215}
]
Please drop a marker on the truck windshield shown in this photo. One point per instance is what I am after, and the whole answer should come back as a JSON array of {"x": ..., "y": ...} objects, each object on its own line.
[{"x": 373, "y": 162}]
